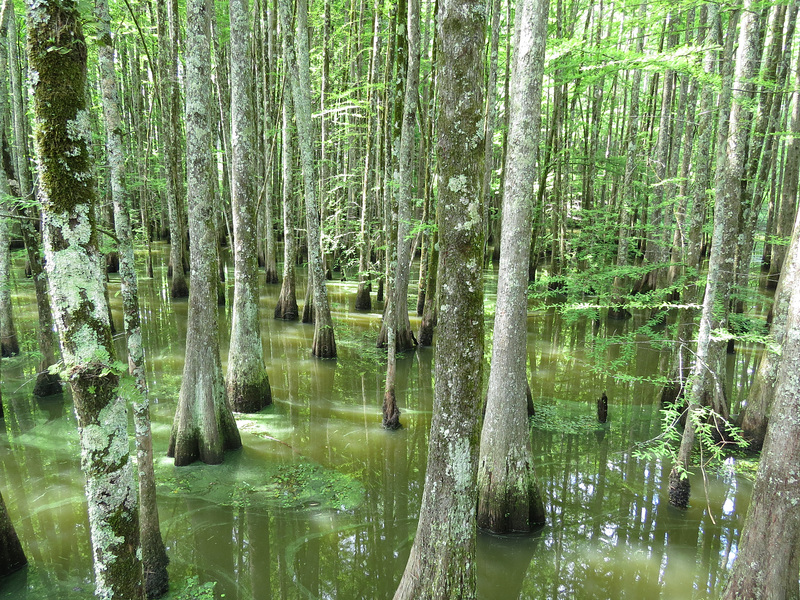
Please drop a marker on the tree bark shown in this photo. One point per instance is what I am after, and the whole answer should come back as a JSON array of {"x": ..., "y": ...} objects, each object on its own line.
[
  {"x": 247, "y": 381},
  {"x": 508, "y": 494},
  {"x": 170, "y": 129},
  {"x": 154, "y": 554},
  {"x": 766, "y": 566},
  {"x": 324, "y": 343},
  {"x": 75, "y": 272},
  {"x": 442, "y": 559},
  {"x": 707, "y": 380},
  {"x": 286, "y": 308},
  {"x": 12, "y": 556},
  {"x": 204, "y": 426}
]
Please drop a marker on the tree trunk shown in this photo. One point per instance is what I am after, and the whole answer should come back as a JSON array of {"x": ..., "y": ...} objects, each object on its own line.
[
  {"x": 12, "y": 556},
  {"x": 204, "y": 426},
  {"x": 247, "y": 381},
  {"x": 707, "y": 380},
  {"x": 762, "y": 391},
  {"x": 154, "y": 555},
  {"x": 75, "y": 273},
  {"x": 324, "y": 343},
  {"x": 442, "y": 559},
  {"x": 286, "y": 308},
  {"x": 8, "y": 332},
  {"x": 791, "y": 173},
  {"x": 170, "y": 140},
  {"x": 508, "y": 494},
  {"x": 766, "y": 566}
]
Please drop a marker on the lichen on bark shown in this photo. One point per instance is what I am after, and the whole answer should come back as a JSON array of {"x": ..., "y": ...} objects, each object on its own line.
[{"x": 57, "y": 56}]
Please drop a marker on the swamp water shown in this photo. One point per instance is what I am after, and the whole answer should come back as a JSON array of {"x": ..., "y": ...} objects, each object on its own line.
[{"x": 322, "y": 502}]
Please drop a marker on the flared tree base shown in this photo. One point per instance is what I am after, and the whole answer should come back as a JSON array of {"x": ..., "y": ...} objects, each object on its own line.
[
  {"x": 516, "y": 508},
  {"x": 47, "y": 384},
  {"x": 324, "y": 344},
  {"x": 405, "y": 339},
  {"x": 287, "y": 309},
  {"x": 617, "y": 313},
  {"x": 679, "y": 490},
  {"x": 391, "y": 414},
  {"x": 363, "y": 298},
  {"x": 156, "y": 579},
  {"x": 308, "y": 312},
  {"x": 271, "y": 275},
  {"x": 179, "y": 288},
  {"x": 9, "y": 346},
  {"x": 425, "y": 333},
  {"x": 249, "y": 397}
]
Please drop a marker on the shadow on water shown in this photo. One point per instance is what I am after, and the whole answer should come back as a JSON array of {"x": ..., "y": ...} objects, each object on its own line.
[{"x": 322, "y": 502}]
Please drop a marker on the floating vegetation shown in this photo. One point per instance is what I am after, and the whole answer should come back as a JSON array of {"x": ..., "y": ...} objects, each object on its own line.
[{"x": 296, "y": 485}]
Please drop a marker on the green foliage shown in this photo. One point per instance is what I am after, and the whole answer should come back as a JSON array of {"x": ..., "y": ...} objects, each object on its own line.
[
  {"x": 194, "y": 590},
  {"x": 566, "y": 417}
]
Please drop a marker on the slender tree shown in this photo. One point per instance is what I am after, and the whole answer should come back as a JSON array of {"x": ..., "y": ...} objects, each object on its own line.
[
  {"x": 74, "y": 268},
  {"x": 508, "y": 494},
  {"x": 442, "y": 559},
  {"x": 154, "y": 554},
  {"x": 170, "y": 140},
  {"x": 286, "y": 308},
  {"x": 296, "y": 49},
  {"x": 8, "y": 331},
  {"x": 396, "y": 317},
  {"x": 204, "y": 426},
  {"x": 247, "y": 382},
  {"x": 707, "y": 386}
]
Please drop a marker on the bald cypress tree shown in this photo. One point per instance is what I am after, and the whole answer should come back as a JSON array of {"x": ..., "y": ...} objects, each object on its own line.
[
  {"x": 442, "y": 559},
  {"x": 75, "y": 271},
  {"x": 204, "y": 426}
]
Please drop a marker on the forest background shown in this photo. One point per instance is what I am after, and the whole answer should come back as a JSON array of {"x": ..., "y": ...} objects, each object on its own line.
[{"x": 668, "y": 136}]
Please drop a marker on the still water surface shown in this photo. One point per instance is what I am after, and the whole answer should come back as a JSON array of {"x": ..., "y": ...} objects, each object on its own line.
[{"x": 322, "y": 502}]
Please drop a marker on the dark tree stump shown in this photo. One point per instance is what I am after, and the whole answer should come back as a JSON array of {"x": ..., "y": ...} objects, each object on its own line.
[{"x": 602, "y": 408}]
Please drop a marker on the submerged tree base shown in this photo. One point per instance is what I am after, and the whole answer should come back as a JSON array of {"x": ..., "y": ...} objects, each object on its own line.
[
  {"x": 391, "y": 414},
  {"x": 271, "y": 275},
  {"x": 286, "y": 308},
  {"x": 156, "y": 580},
  {"x": 363, "y": 298},
  {"x": 179, "y": 288},
  {"x": 47, "y": 384},
  {"x": 679, "y": 489},
  {"x": 617, "y": 313},
  {"x": 324, "y": 344},
  {"x": 249, "y": 397}
]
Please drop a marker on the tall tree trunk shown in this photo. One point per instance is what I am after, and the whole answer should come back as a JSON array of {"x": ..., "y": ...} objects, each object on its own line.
[
  {"x": 442, "y": 559},
  {"x": 617, "y": 311},
  {"x": 324, "y": 343},
  {"x": 791, "y": 172},
  {"x": 154, "y": 555},
  {"x": 170, "y": 141},
  {"x": 508, "y": 494},
  {"x": 766, "y": 563},
  {"x": 675, "y": 387},
  {"x": 247, "y": 381},
  {"x": 9, "y": 344},
  {"x": 204, "y": 426},
  {"x": 762, "y": 391},
  {"x": 707, "y": 380},
  {"x": 396, "y": 318},
  {"x": 286, "y": 308},
  {"x": 73, "y": 262}
]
